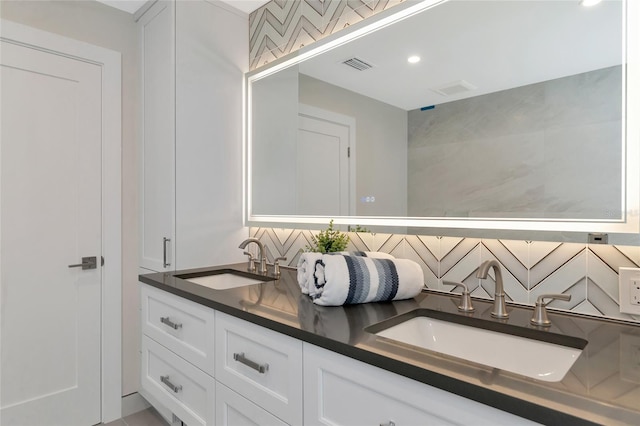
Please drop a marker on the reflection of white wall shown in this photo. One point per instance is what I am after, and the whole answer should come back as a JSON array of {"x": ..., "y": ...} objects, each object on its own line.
[
  {"x": 381, "y": 145},
  {"x": 274, "y": 132},
  {"x": 550, "y": 149}
]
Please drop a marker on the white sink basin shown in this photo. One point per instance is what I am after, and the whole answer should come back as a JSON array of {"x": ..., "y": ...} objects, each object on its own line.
[
  {"x": 531, "y": 358},
  {"x": 223, "y": 279}
]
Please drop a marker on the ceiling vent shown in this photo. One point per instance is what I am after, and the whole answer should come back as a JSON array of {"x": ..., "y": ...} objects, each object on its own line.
[
  {"x": 358, "y": 64},
  {"x": 454, "y": 88}
]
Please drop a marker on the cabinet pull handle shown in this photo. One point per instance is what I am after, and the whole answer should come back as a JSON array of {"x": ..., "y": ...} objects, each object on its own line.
[
  {"x": 165, "y": 240},
  {"x": 389, "y": 423},
  {"x": 167, "y": 321},
  {"x": 251, "y": 364},
  {"x": 175, "y": 388}
]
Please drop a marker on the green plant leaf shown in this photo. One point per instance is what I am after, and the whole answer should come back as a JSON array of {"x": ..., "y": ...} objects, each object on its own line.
[{"x": 328, "y": 241}]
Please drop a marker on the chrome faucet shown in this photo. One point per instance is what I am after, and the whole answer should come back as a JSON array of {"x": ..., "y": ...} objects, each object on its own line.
[
  {"x": 499, "y": 305},
  {"x": 263, "y": 258}
]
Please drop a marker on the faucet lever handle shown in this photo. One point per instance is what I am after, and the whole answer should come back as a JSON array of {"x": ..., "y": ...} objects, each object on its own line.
[
  {"x": 465, "y": 298},
  {"x": 540, "y": 300},
  {"x": 540, "y": 311},
  {"x": 276, "y": 266},
  {"x": 252, "y": 262}
]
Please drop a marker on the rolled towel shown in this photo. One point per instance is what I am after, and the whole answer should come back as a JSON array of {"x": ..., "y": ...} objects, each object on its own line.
[
  {"x": 307, "y": 265},
  {"x": 372, "y": 254},
  {"x": 344, "y": 280}
]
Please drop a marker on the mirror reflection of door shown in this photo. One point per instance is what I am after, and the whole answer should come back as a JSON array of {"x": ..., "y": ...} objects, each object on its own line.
[{"x": 324, "y": 155}]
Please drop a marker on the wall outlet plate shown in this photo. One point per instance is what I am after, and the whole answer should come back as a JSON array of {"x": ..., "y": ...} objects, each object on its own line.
[{"x": 629, "y": 290}]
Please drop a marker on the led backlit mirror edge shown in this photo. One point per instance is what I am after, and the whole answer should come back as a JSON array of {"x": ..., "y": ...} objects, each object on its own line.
[{"x": 568, "y": 229}]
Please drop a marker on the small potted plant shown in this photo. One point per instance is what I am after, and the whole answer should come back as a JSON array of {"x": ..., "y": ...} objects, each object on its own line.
[{"x": 329, "y": 241}]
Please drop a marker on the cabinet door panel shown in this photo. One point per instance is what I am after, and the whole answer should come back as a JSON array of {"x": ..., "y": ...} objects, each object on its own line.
[
  {"x": 260, "y": 364},
  {"x": 234, "y": 410},
  {"x": 366, "y": 405},
  {"x": 183, "y": 326},
  {"x": 211, "y": 58},
  {"x": 342, "y": 391},
  {"x": 157, "y": 166},
  {"x": 185, "y": 390}
]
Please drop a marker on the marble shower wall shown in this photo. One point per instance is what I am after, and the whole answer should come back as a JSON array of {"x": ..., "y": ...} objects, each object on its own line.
[
  {"x": 550, "y": 149},
  {"x": 530, "y": 268}
]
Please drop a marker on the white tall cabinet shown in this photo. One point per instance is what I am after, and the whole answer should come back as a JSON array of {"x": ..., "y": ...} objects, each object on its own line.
[{"x": 194, "y": 55}]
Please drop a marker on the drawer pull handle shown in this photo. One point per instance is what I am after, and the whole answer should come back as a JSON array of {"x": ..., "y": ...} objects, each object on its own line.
[
  {"x": 252, "y": 364},
  {"x": 175, "y": 388},
  {"x": 389, "y": 423},
  {"x": 167, "y": 321}
]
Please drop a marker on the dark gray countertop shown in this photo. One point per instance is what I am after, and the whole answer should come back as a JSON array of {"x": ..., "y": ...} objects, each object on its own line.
[{"x": 603, "y": 386}]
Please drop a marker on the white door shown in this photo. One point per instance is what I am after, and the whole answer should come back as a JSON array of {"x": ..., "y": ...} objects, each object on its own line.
[
  {"x": 323, "y": 166},
  {"x": 50, "y": 217}
]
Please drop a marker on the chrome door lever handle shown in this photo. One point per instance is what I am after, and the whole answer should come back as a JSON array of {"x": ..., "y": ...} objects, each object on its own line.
[{"x": 87, "y": 263}]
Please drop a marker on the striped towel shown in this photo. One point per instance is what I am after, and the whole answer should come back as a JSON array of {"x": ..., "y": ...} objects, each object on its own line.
[
  {"x": 344, "y": 280},
  {"x": 307, "y": 266}
]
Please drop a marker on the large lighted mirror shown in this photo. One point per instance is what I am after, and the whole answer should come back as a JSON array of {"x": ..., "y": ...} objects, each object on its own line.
[{"x": 454, "y": 114}]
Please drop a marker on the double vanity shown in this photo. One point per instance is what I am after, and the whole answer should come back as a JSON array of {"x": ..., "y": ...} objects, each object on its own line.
[{"x": 225, "y": 346}]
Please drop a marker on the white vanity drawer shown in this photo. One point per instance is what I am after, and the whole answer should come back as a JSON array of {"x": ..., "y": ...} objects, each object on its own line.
[
  {"x": 185, "y": 390},
  {"x": 185, "y": 327},
  {"x": 342, "y": 391},
  {"x": 233, "y": 409},
  {"x": 260, "y": 364}
]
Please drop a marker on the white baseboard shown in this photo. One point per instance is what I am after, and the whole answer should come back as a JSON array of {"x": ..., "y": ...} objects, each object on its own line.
[{"x": 133, "y": 403}]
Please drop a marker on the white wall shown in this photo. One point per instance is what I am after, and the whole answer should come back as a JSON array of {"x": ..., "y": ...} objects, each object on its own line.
[
  {"x": 100, "y": 25},
  {"x": 274, "y": 133}
]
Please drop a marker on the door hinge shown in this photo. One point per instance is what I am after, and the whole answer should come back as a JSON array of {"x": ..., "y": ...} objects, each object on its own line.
[
  {"x": 101, "y": 260},
  {"x": 348, "y": 152}
]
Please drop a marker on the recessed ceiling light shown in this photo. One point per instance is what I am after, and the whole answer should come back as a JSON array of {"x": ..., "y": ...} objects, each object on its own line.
[
  {"x": 589, "y": 3},
  {"x": 413, "y": 59}
]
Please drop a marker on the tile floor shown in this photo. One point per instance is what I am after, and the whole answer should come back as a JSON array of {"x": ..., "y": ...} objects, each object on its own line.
[{"x": 148, "y": 417}]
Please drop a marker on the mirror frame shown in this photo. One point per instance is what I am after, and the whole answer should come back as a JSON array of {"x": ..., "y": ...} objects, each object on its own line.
[{"x": 629, "y": 223}]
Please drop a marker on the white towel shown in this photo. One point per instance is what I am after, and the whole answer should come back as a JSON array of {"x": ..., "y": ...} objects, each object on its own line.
[
  {"x": 343, "y": 280},
  {"x": 372, "y": 254},
  {"x": 307, "y": 266}
]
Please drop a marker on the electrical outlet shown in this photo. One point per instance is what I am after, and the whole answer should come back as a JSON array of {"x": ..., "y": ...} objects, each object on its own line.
[
  {"x": 629, "y": 290},
  {"x": 634, "y": 292}
]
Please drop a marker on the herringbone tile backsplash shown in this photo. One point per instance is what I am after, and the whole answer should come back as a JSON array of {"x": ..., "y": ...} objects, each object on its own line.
[
  {"x": 284, "y": 26},
  {"x": 529, "y": 268}
]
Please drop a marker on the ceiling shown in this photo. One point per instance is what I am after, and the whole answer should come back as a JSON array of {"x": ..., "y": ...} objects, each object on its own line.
[
  {"x": 131, "y": 6},
  {"x": 493, "y": 45}
]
